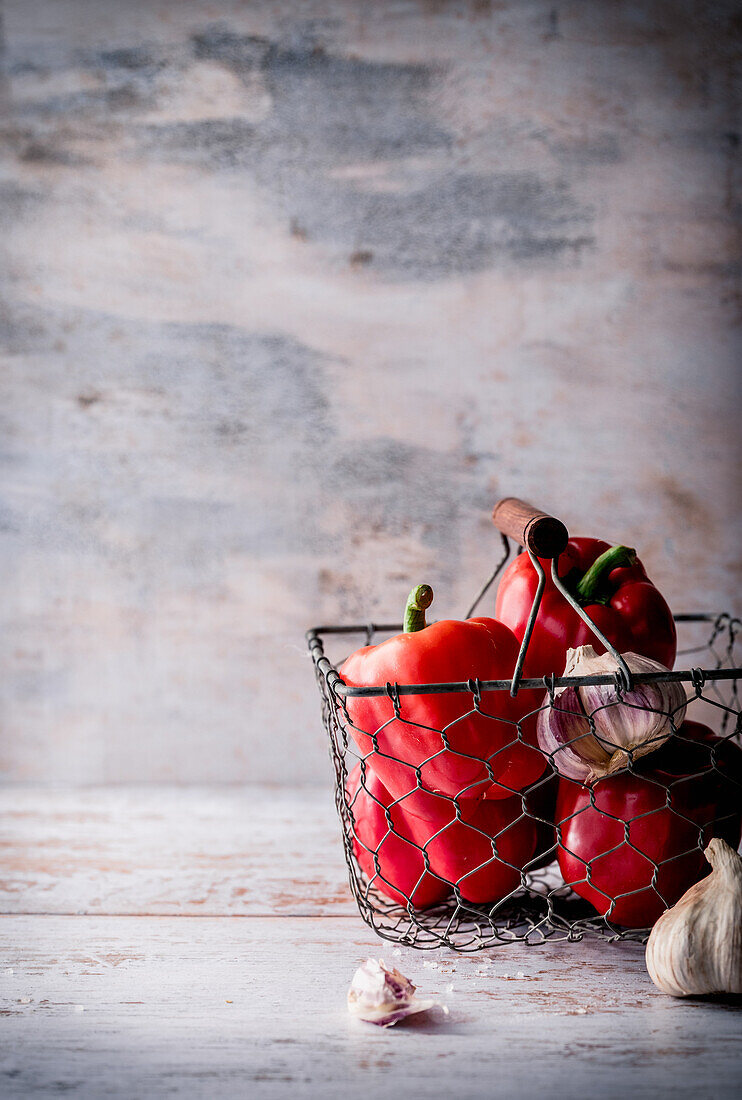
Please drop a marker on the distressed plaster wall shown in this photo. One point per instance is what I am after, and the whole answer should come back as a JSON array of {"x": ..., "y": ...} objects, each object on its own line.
[{"x": 292, "y": 292}]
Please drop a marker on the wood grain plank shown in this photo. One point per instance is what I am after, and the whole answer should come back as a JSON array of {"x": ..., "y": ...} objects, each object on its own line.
[
  {"x": 116, "y": 1006},
  {"x": 235, "y": 850}
]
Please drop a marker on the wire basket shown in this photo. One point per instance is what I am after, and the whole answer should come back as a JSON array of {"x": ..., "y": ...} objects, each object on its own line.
[{"x": 480, "y": 873}]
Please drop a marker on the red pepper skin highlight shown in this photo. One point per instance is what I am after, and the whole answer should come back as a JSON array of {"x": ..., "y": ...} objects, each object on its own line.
[
  {"x": 446, "y": 651},
  {"x": 589, "y": 832},
  {"x": 402, "y": 875},
  {"x": 623, "y": 603}
]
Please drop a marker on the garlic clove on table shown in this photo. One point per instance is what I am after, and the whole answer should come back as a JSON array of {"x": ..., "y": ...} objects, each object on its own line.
[
  {"x": 695, "y": 948},
  {"x": 381, "y": 995}
]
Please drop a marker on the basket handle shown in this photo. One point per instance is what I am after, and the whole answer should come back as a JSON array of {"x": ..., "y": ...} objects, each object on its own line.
[{"x": 538, "y": 532}]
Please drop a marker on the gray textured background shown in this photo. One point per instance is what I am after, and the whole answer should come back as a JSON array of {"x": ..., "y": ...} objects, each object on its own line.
[{"x": 292, "y": 292}]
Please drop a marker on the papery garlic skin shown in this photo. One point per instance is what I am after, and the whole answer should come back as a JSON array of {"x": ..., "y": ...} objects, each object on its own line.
[
  {"x": 623, "y": 730},
  {"x": 695, "y": 948},
  {"x": 380, "y": 995}
]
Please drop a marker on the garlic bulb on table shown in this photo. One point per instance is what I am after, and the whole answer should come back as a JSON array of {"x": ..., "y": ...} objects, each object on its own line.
[
  {"x": 696, "y": 947},
  {"x": 623, "y": 727}
]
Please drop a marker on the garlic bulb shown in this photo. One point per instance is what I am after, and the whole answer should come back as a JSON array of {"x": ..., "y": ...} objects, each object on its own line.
[
  {"x": 382, "y": 996},
  {"x": 696, "y": 947},
  {"x": 639, "y": 722}
]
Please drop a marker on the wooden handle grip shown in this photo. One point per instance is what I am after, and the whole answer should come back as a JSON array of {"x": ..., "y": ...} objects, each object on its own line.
[{"x": 543, "y": 535}]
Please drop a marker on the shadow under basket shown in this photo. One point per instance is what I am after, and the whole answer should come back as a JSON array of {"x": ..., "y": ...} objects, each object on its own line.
[{"x": 507, "y": 891}]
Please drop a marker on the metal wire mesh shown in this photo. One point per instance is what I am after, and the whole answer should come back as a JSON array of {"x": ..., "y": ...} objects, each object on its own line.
[{"x": 431, "y": 868}]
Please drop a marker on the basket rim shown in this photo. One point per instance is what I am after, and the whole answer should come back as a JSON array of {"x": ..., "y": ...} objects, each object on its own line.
[{"x": 695, "y": 676}]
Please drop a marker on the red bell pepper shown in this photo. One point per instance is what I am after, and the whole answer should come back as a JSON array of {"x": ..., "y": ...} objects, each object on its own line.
[
  {"x": 481, "y": 850},
  {"x": 612, "y": 586},
  {"x": 401, "y": 873},
  {"x": 613, "y": 835},
  {"x": 460, "y": 751}
]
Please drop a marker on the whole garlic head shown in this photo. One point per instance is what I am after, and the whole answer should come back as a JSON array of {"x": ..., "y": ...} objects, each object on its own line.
[
  {"x": 591, "y": 732},
  {"x": 696, "y": 947},
  {"x": 380, "y": 995}
]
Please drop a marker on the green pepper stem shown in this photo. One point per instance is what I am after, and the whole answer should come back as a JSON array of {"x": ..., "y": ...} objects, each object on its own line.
[
  {"x": 591, "y": 587},
  {"x": 414, "y": 613}
]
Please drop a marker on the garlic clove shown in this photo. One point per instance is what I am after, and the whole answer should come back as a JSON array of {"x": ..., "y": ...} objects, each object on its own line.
[
  {"x": 564, "y": 733},
  {"x": 381, "y": 995},
  {"x": 695, "y": 948},
  {"x": 593, "y": 731}
]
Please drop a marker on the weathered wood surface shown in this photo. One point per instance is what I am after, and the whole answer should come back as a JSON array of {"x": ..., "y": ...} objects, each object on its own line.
[
  {"x": 207, "y": 852},
  {"x": 249, "y": 1005},
  {"x": 294, "y": 290},
  {"x": 114, "y": 1006}
]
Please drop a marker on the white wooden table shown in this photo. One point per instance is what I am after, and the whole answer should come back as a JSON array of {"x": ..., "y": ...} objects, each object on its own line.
[{"x": 160, "y": 942}]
